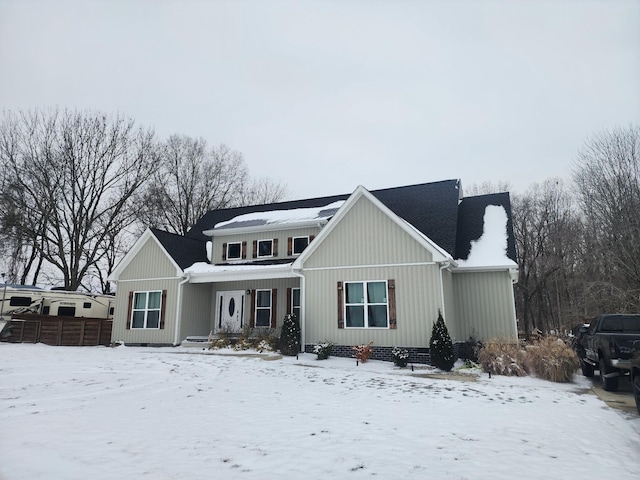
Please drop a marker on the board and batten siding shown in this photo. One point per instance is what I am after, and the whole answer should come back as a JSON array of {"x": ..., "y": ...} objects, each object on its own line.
[
  {"x": 149, "y": 270},
  {"x": 484, "y": 305},
  {"x": 417, "y": 293},
  {"x": 163, "y": 336},
  {"x": 368, "y": 245},
  {"x": 218, "y": 241},
  {"x": 196, "y": 310},
  {"x": 150, "y": 262},
  {"x": 366, "y": 236}
]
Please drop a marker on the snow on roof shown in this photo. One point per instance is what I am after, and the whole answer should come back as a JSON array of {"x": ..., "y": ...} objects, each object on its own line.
[
  {"x": 281, "y": 217},
  {"x": 203, "y": 272},
  {"x": 490, "y": 250}
]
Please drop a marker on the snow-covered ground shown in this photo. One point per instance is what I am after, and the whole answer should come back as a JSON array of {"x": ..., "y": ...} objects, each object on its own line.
[{"x": 105, "y": 413}]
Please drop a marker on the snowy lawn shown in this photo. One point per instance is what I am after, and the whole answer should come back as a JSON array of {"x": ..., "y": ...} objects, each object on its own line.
[{"x": 104, "y": 413}]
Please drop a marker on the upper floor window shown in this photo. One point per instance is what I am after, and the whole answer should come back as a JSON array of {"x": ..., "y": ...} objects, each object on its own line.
[
  {"x": 265, "y": 248},
  {"x": 234, "y": 251},
  {"x": 299, "y": 244}
]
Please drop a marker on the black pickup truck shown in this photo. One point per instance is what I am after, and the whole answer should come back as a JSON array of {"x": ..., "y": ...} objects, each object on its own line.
[
  {"x": 607, "y": 344},
  {"x": 635, "y": 373}
]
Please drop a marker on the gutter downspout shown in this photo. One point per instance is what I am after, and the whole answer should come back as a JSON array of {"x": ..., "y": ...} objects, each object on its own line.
[
  {"x": 303, "y": 302},
  {"x": 443, "y": 265},
  {"x": 178, "y": 308}
]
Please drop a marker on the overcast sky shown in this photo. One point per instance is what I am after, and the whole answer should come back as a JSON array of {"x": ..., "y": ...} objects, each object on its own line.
[{"x": 325, "y": 95}]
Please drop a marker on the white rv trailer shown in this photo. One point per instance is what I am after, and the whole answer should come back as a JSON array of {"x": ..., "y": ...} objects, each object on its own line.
[{"x": 15, "y": 299}]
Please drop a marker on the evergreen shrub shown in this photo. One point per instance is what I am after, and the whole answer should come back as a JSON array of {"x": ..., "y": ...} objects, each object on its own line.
[
  {"x": 290, "y": 335},
  {"x": 440, "y": 346}
]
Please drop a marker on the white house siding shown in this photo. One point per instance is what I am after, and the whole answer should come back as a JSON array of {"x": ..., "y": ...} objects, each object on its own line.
[
  {"x": 281, "y": 284},
  {"x": 417, "y": 302},
  {"x": 368, "y": 245},
  {"x": 484, "y": 305},
  {"x": 150, "y": 262},
  {"x": 196, "y": 310},
  {"x": 164, "y": 336},
  {"x": 150, "y": 269},
  {"x": 366, "y": 236},
  {"x": 281, "y": 235}
]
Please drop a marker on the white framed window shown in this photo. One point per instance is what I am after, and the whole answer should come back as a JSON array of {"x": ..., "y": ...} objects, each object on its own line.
[
  {"x": 299, "y": 244},
  {"x": 146, "y": 309},
  {"x": 366, "y": 304},
  {"x": 263, "y": 308},
  {"x": 295, "y": 302},
  {"x": 234, "y": 251},
  {"x": 265, "y": 248}
]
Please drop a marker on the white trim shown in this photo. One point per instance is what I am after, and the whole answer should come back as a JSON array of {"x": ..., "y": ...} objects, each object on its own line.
[
  {"x": 293, "y": 245},
  {"x": 365, "y": 304},
  {"x": 258, "y": 248},
  {"x": 378, "y": 265},
  {"x": 129, "y": 280},
  {"x": 239, "y": 257},
  {"x": 270, "y": 308},
  {"x": 146, "y": 310},
  {"x": 218, "y": 232}
]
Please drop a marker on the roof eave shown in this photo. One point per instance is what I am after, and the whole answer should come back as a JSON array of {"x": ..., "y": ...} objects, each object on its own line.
[{"x": 319, "y": 222}]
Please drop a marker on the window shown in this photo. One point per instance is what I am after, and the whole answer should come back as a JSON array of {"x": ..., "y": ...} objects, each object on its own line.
[
  {"x": 20, "y": 301},
  {"x": 295, "y": 302},
  {"x": 234, "y": 251},
  {"x": 66, "y": 311},
  {"x": 299, "y": 244},
  {"x": 86, "y": 305},
  {"x": 366, "y": 305},
  {"x": 265, "y": 248},
  {"x": 145, "y": 312},
  {"x": 263, "y": 308}
]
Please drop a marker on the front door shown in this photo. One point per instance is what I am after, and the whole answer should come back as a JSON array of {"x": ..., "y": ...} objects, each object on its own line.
[{"x": 230, "y": 313}]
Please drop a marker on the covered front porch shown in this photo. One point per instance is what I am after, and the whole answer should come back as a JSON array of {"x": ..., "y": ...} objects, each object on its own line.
[{"x": 248, "y": 299}]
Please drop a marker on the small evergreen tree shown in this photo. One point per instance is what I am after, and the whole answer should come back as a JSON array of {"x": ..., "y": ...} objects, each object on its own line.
[
  {"x": 440, "y": 346},
  {"x": 290, "y": 335}
]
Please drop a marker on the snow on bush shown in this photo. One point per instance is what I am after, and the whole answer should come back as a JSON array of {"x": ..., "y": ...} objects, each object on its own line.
[{"x": 551, "y": 359}]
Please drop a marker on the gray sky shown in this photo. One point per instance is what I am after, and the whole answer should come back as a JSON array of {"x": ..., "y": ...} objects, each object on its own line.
[{"x": 325, "y": 95}]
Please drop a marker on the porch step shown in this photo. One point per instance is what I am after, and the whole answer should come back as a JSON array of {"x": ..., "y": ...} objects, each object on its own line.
[{"x": 196, "y": 341}]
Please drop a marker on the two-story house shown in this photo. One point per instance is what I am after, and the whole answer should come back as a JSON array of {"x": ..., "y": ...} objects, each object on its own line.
[{"x": 371, "y": 266}]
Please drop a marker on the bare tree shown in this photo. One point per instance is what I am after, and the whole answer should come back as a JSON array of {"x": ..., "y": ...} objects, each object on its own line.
[
  {"x": 72, "y": 178},
  {"x": 262, "y": 191},
  {"x": 193, "y": 179},
  {"x": 548, "y": 235},
  {"x": 607, "y": 179}
]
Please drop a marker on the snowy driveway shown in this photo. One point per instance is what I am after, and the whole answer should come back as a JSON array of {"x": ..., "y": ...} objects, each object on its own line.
[{"x": 104, "y": 413}]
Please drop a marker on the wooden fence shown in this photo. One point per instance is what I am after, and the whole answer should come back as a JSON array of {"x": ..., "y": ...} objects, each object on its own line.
[{"x": 66, "y": 331}]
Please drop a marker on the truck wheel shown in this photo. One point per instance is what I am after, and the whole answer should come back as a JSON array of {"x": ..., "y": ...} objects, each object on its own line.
[
  {"x": 587, "y": 369},
  {"x": 609, "y": 384},
  {"x": 636, "y": 390}
]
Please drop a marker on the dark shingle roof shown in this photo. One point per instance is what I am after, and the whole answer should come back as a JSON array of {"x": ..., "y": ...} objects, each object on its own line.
[
  {"x": 429, "y": 207},
  {"x": 432, "y": 208},
  {"x": 471, "y": 222},
  {"x": 213, "y": 217},
  {"x": 185, "y": 251}
]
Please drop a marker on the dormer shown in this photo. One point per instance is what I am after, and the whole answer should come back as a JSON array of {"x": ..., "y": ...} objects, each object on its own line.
[{"x": 263, "y": 236}]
